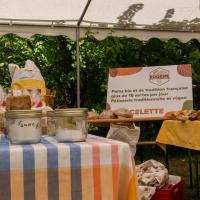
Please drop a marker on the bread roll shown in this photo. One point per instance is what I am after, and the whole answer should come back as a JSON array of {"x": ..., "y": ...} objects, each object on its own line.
[
  {"x": 123, "y": 112},
  {"x": 93, "y": 115},
  {"x": 107, "y": 114}
]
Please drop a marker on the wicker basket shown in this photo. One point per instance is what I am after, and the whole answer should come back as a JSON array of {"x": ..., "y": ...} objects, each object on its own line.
[
  {"x": 49, "y": 100},
  {"x": 2, "y": 122}
]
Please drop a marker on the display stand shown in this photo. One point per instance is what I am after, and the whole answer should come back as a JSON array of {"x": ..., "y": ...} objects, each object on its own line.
[{"x": 107, "y": 122}]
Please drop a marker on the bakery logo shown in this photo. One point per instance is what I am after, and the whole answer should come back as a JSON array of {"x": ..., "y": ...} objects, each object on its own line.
[{"x": 159, "y": 76}]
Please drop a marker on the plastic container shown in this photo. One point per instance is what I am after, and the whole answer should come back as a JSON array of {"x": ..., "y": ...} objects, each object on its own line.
[
  {"x": 51, "y": 124},
  {"x": 71, "y": 124},
  {"x": 173, "y": 192},
  {"x": 24, "y": 126}
]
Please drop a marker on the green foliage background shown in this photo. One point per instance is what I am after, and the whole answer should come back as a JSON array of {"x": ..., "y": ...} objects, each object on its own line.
[{"x": 56, "y": 58}]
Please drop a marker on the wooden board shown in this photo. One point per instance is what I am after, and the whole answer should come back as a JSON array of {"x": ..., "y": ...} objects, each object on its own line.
[{"x": 106, "y": 122}]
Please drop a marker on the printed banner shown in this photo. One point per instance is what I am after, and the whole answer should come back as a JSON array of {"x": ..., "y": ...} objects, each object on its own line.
[{"x": 150, "y": 91}]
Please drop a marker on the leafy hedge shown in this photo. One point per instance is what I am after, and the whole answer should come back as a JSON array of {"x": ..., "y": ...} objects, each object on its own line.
[{"x": 56, "y": 58}]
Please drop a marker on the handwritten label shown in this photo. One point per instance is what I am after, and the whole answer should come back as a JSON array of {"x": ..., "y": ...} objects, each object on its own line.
[{"x": 28, "y": 124}]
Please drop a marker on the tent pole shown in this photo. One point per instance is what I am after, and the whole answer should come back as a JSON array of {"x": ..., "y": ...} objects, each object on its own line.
[
  {"x": 78, "y": 51},
  {"x": 78, "y": 65}
]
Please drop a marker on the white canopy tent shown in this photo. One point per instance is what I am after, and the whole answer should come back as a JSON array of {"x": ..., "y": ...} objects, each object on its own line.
[
  {"x": 136, "y": 18},
  {"x": 142, "y": 19}
]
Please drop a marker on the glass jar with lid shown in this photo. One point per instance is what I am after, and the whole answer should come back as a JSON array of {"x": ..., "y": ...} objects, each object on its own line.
[
  {"x": 24, "y": 126},
  {"x": 71, "y": 124}
]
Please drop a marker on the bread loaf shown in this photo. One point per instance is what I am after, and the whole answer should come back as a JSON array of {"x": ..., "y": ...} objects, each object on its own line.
[
  {"x": 93, "y": 115},
  {"x": 107, "y": 114},
  {"x": 18, "y": 103},
  {"x": 123, "y": 113}
]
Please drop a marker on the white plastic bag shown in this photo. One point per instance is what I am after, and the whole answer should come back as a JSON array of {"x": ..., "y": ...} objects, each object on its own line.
[
  {"x": 28, "y": 77},
  {"x": 28, "y": 81}
]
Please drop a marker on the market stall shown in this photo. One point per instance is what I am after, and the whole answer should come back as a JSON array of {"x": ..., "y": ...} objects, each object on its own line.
[{"x": 27, "y": 18}]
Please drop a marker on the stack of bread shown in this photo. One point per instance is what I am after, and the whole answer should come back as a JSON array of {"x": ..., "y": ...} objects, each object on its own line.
[
  {"x": 122, "y": 113},
  {"x": 184, "y": 115}
]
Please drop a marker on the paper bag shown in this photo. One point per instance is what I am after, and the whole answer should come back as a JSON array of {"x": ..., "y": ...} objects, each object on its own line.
[{"x": 126, "y": 134}]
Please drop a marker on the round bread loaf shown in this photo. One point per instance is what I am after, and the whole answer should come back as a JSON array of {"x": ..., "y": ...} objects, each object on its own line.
[
  {"x": 123, "y": 112},
  {"x": 107, "y": 114},
  {"x": 93, "y": 115}
]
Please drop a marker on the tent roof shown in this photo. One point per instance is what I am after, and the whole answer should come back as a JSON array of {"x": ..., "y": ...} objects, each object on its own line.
[
  {"x": 142, "y": 12},
  {"x": 40, "y": 16}
]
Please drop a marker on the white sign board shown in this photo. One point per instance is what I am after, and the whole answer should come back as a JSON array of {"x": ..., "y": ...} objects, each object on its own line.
[{"x": 150, "y": 91}]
